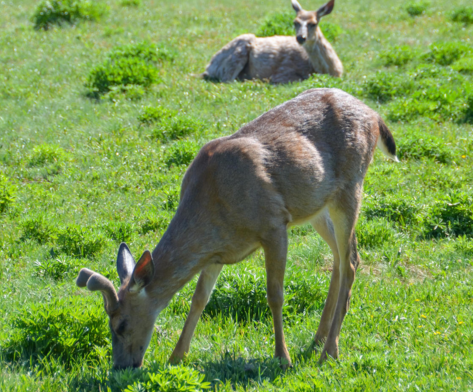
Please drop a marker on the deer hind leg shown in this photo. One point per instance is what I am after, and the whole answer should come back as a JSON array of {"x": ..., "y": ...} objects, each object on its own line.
[
  {"x": 230, "y": 61},
  {"x": 344, "y": 216},
  {"x": 201, "y": 296},
  {"x": 275, "y": 250},
  {"x": 324, "y": 226}
]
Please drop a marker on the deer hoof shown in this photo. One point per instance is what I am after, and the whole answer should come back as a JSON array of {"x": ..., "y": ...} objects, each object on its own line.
[{"x": 176, "y": 359}]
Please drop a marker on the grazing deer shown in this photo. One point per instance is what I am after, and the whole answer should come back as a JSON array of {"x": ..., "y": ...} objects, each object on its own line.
[
  {"x": 303, "y": 161},
  {"x": 279, "y": 59}
]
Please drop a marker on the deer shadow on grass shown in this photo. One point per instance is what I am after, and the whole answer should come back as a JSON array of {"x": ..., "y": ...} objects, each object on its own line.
[
  {"x": 242, "y": 371},
  {"x": 245, "y": 372}
]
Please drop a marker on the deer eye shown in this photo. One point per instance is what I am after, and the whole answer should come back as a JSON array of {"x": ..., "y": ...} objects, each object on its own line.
[
  {"x": 121, "y": 328},
  {"x": 296, "y": 24},
  {"x": 312, "y": 25}
]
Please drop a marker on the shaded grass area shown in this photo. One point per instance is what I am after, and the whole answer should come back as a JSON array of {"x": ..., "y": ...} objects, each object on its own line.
[{"x": 80, "y": 175}]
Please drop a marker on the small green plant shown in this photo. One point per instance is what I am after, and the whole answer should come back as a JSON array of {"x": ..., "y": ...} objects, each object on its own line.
[
  {"x": 464, "y": 65},
  {"x": 397, "y": 55},
  {"x": 281, "y": 23},
  {"x": 58, "y": 268},
  {"x": 418, "y": 145},
  {"x": 46, "y": 154},
  {"x": 122, "y": 72},
  {"x": 58, "y": 12},
  {"x": 417, "y": 8},
  {"x": 120, "y": 231},
  {"x": 243, "y": 296},
  {"x": 463, "y": 15},
  {"x": 436, "y": 92},
  {"x": 158, "y": 223},
  {"x": 171, "y": 379},
  {"x": 403, "y": 211},
  {"x": 469, "y": 109},
  {"x": 39, "y": 229},
  {"x": 277, "y": 24},
  {"x": 465, "y": 245},
  {"x": 452, "y": 216},
  {"x": 130, "y": 3},
  {"x": 171, "y": 198},
  {"x": 145, "y": 50},
  {"x": 153, "y": 114},
  {"x": 446, "y": 53},
  {"x": 132, "y": 92},
  {"x": 129, "y": 69},
  {"x": 7, "y": 193},
  {"x": 67, "y": 330},
  {"x": 80, "y": 241},
  {"x": 181, "y": 153},
  {"x": 331, "y": 31},
  {"x": 177, "y": 128},
  {"x": 385, "y": 86},
  {"x": 375, "y": 232}
]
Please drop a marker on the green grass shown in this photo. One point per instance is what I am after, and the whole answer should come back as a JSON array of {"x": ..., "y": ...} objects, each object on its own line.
[{"x": 78, "y": 175}]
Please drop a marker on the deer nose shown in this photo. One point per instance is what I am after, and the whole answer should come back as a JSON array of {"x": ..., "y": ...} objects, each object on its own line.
[{"x": 301, "y": 39}]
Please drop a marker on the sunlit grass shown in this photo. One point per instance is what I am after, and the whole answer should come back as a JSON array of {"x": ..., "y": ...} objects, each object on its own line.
[{"x": 79, "y": 175}]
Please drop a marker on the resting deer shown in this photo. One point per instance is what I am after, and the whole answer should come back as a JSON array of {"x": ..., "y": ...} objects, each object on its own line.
[
  {"x": 279, "y": 59},
  {"x": 303, "y": 161}
]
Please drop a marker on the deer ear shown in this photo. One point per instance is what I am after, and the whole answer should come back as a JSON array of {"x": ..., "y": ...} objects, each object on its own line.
[
  {"x": 297, "y": 7},
  {"x": 143, "y": 272},
  {"x": 326, "y": 9},
  {"x": 125, "y": 263}
]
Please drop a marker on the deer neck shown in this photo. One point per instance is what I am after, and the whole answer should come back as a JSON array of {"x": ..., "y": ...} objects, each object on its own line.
[
  {"x": 322, "y": 55},
  {"x": 178, "y": 257}
]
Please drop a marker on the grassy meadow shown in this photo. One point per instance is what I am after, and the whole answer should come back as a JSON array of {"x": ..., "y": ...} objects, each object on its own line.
[{"x": 100, "y": 116}]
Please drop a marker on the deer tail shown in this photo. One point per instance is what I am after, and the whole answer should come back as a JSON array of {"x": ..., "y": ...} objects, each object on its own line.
[{"x": 386, "y": 141}]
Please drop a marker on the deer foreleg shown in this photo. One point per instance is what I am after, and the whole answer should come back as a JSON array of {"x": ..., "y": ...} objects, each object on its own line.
[{"x": 201, "y": 296}]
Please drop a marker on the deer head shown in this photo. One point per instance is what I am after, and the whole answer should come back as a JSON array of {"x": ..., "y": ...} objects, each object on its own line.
[
  {"x": 307, "y": 22},
  {"x": 130, "y": 320}
]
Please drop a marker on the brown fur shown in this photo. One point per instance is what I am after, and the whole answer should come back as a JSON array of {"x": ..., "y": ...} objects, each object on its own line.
[
  {"x": 303, "y": 161},
  {"x": 278, "y": 59}
]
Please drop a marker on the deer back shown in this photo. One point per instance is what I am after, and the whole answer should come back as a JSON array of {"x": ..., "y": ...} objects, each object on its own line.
[{"x": 285, "y": 165}]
